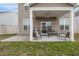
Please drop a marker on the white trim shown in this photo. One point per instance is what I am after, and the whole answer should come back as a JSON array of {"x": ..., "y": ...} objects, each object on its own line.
[
  {"x": 31, "y": 26},
  {"x": 72, "y": 25},
  {"x": 51, "y": 8}
]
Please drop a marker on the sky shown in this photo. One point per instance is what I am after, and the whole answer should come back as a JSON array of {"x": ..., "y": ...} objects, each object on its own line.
[
  {"x": 8, "y": 19},
  {"x": 8, "y": 7}
]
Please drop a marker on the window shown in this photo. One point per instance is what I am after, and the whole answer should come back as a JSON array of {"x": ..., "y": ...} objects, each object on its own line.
[
  {"x": 67, "y": 23},
  {"x": 64, "y": 24},
  {"x": 66, "y": 27},
  {"x": 49, "y": 25},
  {"x": 61, "y": 24},
  {"x": 62, "y": 27},
  {"x": 26, "y": 21},
  {"x": 26, "y": 24}
]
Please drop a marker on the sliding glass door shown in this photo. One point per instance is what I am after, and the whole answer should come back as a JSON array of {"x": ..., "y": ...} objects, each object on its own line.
[{"x": 45, "y": 25}]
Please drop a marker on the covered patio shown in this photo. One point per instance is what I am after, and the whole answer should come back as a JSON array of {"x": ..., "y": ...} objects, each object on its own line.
[
  {"x": 54, "y": 21},
  {"x": 53, "y": 14}
]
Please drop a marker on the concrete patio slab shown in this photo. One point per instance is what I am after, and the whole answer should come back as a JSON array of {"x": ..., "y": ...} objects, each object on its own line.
[
  {"x": 51, "y": 38},
  {"x": 17, "y": 38},
  {"x": 27, "y": 38}
]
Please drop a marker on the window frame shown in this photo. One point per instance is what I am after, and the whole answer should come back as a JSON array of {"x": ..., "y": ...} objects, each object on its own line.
[{"x": 64, "y": 19}]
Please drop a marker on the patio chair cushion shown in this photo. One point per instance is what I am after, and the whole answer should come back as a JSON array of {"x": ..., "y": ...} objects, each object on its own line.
[
  {"x": 65, "y": 35},
  {"x": 62, "y": 35}
]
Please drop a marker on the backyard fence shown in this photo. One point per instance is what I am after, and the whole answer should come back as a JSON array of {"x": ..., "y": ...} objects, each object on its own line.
[{"x": 8, "y": 29}]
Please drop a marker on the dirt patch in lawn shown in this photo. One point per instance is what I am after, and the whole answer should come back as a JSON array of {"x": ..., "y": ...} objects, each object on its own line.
[{"x": 4, "y": 50}]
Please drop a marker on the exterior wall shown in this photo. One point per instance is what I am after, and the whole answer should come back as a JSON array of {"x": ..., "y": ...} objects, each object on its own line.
[
  {"x": 11, "y": 29},
  {"x": 56, "y": 25},
  {"x": 9, "y": 18},
  {"x": 8, "y": 29},
  {"x": 21, "y": 16}
]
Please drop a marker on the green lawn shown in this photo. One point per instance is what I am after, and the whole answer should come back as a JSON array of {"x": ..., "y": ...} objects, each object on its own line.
[
  {"x": 6, "y": 36},
  {"x": 39, "y": 48}
]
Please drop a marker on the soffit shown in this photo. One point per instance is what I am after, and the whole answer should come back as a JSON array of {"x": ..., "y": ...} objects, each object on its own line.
[{"x": 71, "y": 4}]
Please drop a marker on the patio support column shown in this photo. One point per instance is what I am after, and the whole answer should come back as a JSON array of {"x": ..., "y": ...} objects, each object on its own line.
[
  {"x": 31, "y": 25},
  {"x": 72, "y": 26}
]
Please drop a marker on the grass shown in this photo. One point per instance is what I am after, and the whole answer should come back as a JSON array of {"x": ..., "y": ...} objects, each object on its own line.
[
  {"x": 76, "y": 36},
  {"x": 39, "y": 48},
  {"x": 6, "y": 36}
]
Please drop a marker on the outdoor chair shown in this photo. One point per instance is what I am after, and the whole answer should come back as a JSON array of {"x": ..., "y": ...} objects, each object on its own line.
[
  {"x": 36, "y": 33},
  {"x": 64, "y": 35}
]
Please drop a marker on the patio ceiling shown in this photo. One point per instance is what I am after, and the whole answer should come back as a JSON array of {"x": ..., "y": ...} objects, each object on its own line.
[{"x": 50, "y": 13}]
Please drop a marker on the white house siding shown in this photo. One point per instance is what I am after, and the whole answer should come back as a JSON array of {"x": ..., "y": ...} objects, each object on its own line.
[
  {"x": 0, "y": 30},
  {"x": 11, "y": 29},
  {"x": 10, "y": 20},
  {"x": 8, "y": 29}
]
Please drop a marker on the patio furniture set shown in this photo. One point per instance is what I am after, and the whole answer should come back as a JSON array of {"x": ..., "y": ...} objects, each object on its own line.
[{"x": 49, "y": 33}]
